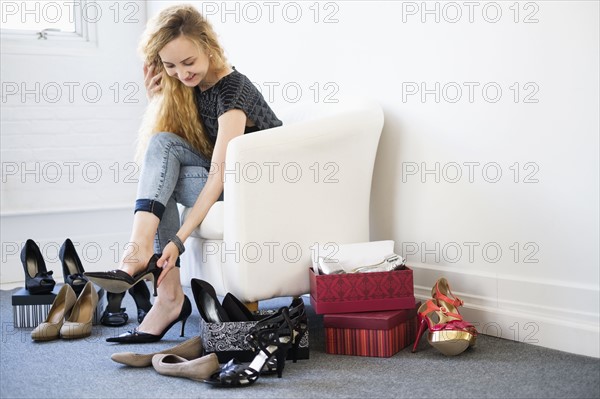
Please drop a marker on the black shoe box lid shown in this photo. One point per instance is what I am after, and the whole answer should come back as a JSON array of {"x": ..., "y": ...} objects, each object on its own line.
[{"x": 23, "y": 297}]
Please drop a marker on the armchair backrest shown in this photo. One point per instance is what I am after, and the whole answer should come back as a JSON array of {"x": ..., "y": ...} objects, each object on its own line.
[{"x": 290, "y": 187}]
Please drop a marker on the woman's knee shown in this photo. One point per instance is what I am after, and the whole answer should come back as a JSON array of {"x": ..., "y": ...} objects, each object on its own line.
[{"x": 162, "y": 139}]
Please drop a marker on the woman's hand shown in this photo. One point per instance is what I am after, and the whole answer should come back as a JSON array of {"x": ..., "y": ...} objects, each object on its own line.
[
  {"x": 167, "y": 260},
  {"x": 152, "y": 80}
]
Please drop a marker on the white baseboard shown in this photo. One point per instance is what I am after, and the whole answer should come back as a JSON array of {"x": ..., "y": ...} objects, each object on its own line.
[{"x": 549, "y": 313}]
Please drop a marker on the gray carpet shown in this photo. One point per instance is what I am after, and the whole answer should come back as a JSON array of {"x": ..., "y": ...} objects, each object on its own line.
[{"x": 495, "y": 368}]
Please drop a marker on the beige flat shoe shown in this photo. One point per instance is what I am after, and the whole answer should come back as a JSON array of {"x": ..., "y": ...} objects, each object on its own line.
[
  {"x": 79, "y": 323},
  {"x": 61, "y": 306},
  {"x": 190, "y": 349},
  {"x": 198, "y": 369}
]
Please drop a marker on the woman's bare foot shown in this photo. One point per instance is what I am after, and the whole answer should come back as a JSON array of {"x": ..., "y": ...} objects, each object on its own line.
[
  {"x": 167, "y": 305},
  {"x": 140, "y": 248},
  {"x": 136, "y": 257}
]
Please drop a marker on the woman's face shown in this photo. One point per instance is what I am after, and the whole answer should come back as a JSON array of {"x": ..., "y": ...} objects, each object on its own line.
[{"x": 183, "y": 60}]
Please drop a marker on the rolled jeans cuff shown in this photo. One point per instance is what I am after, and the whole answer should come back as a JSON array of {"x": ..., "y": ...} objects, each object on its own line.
[{"x": 152, "y": 206}]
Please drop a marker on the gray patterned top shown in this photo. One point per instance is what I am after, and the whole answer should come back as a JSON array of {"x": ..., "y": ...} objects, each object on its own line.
[{"x": 234, "y": 91}]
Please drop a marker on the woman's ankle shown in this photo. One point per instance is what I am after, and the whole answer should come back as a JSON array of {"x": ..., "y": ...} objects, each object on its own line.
[{"x": 170, "y": 294}]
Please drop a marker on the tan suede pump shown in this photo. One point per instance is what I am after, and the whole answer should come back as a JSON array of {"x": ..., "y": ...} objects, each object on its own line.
[
  {"x": 62, "y": 305},
  {"x": 79, "y": 323}
]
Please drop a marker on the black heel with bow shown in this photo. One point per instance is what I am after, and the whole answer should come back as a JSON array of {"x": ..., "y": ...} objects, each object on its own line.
[{"x": 38, "y": 280}]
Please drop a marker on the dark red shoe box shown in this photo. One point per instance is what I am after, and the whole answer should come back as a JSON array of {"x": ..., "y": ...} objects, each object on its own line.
[
  {"x": 228, "y": 339},
  {"x": 362, "y": 292},
  {"x": 29, "y": 310},
  {"x": 376, "y": 334}
]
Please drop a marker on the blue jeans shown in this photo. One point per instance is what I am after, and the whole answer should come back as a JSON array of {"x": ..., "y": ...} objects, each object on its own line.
[{"x": 172, "y": 172}]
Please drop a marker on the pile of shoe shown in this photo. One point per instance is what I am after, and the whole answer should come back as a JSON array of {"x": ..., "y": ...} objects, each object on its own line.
[
  {"x": 72, "y": 311},
  {"x": 271, "y": 339},
  {"x": 214, "y": 312},
  {"x": 185, "y": 360},
  {"x": 448, "y": 332},
  {"x": 39, "y": 280}
]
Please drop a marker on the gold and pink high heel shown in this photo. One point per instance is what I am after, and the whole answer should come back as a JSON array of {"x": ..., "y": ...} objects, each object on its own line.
[
  {"x": 448, "y": 333},
  {"x": 444, "y": 297}
]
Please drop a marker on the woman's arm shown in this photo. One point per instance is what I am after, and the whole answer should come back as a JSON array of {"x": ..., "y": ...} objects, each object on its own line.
[{"x": 231, "y": 124}]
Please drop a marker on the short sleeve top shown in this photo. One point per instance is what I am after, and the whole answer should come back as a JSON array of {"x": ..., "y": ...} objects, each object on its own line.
[{"x": 234, "y": 91}]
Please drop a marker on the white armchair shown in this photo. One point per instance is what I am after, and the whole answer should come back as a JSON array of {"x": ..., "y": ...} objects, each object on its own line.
[{"x": 287, "y": 188}]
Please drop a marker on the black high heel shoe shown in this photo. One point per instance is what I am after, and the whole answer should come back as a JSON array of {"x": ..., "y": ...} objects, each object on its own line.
[
  {"x": 206, "y": 300},
  {"x": 114, "y": 315},
  {"x": 118, "y": 281},
  {"x": 72, "y": 267},
  {"x": 299, "y": 320},
  {"x": 141, "y": 296},
  {"x": 38, "y": 280},
  {"x": 138, "y": 337},
  {"x": 236, "y": 310},
  {"x": 273, "y": 336}
]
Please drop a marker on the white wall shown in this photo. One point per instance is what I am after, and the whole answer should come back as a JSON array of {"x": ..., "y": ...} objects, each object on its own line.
[
  {"x": 545, "y": 288},
  {"x": 67, "y": 134}
]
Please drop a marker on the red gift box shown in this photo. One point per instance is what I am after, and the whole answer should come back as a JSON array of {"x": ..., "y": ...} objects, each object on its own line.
[
  {"x": 377, "y": 334},
  {"x": 362, "y": 292}
]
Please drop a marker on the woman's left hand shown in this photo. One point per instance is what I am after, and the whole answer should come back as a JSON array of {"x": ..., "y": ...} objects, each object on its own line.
[{"x": 167, "y": 260}]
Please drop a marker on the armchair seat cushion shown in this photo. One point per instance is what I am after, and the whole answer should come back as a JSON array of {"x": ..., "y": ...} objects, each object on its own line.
[{"x": 212, "y": 226}]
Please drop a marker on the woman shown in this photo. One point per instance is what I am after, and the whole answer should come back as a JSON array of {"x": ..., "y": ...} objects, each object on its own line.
[{"x": 198, "y": 103}]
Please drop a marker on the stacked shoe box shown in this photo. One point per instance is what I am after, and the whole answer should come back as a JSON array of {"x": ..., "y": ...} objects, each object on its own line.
[
  {"x": 29, "y": 310},
  {"x": 366, "y": 314}
]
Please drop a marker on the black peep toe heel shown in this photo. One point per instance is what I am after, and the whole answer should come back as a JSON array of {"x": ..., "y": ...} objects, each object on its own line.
[{"x": 38, "y": 280}]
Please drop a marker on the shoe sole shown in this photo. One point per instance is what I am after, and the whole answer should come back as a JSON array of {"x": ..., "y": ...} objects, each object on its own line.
[
  {"x": 116, "y": 286},
  {"x": 190, "y": 349},
  {"x": 75, "y": 336},
  {"x": 45, "y": 339},
  {"x": 450, "y": 343}
]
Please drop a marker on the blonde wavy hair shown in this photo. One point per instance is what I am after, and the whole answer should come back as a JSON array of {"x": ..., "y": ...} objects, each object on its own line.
[{"x": 174, "y": 108}]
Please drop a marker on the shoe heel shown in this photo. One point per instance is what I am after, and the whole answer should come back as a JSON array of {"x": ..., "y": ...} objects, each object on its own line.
[
  {"x": 155, "y": 274},
  {"x": 296, "y": 345},
  {"x": 281, "y": 355},
  {"x": 422, "y": 328},
  {"x": 186, "y": 311},
  {"x": 183, "y": 326},
  {"x": 154, "y": 285},
  {"x": 155, "y": 270},
  {"x": 295, "y": 351}
]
